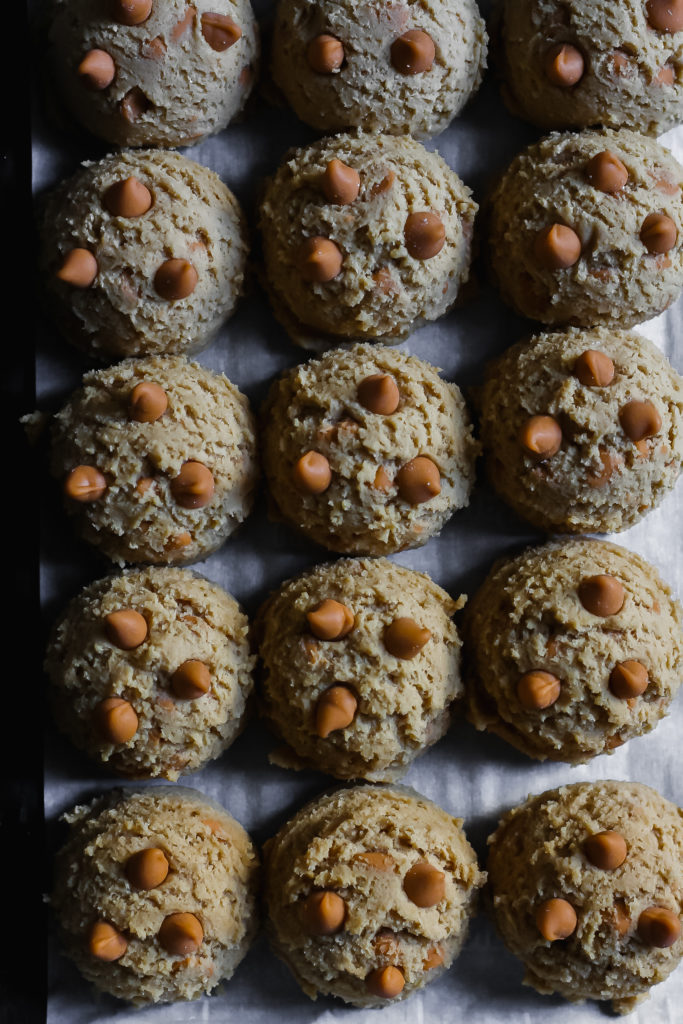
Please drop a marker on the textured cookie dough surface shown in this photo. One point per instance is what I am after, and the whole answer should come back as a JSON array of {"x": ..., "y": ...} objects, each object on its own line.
[
  {"x": 578, "y": 469},
  {"x": 167, "y": 491},
  {"x": 181, "y": 73},
  {"x": 573, "y": 648},
  {"x": 547, "y": 849},
  {"x": 185, "y": 622},
  {"x": 369, "y": 505},
  {"x": 210, "y": 874},
  {"x": 367, "y": 854},
  {"x": 383, "y": 270},
  {"x": 616, "y": 68},
  {"x": 172, "y": 210},
  {"x": 375, "y": 85},
  {"x": 605, "y": 262},
  {"x": 391, "y": 707}
]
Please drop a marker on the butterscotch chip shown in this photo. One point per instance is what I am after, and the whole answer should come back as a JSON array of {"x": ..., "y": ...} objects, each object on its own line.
[
  {"x": 377, "y": 860},
  {"x": 629, "y": 679},
  {"x": 640, "y": 420},
  {"x": 323, "y": 913},
  {"x": 606, "y": 850},
  {"x": 340, "y": 183},
  {"x": 594, "y": 369},
  {"x": 659, "y": 927},
  {"x": 331, "y": 620},
  {"x": 134, "y": 104},
  {"x": 557, "y": 247},
  {"x": 194, "y": 486},
  {"x": 131, "y": 12},
  {"x": 175, "y": 280},
  {"x": 538, "y": 690},
  {"x": 606, "y": 172},
  {"x": 312, "y": 473},
  {"x": 78, "y": 268},
  {"x": 659, "y": 233},
  {"x": 116, "y": 720},
  {"x": 126, "y": 629},
  {"x": 434, "y": 958},
  {"x": 385, "y": 982},
  {"x": 106, "y": 943},
  {"x": 191, "y": 680},
  {"x": 609, "y": 464},
  {"x": 148, "y": 402},
  {"x": 665, "y": 15},
  {"x": 382, "y": 481},
  {"x": 424, "y": 885},
  {"x": 413, "y": 53},
  {"x": 405, "y": 638},
  {"x": 424, "y": 235},
  {"x": 336, "y": 709},
  {"x": 147, "y": 869},
  {"x": 564, "y": 65},
  {"x": 85, "y": 484},
  {"x": 621, "y": 918},
  {"x": 556, "y": 919},
  {"x": 319, "y": 259},
  {"x": 127, "y": 198},
  {"x": 181, "y": 934},
  {"x": 541, "y": 436},
  {"x": 379, "y": 394},
  {"x": 325, "y": 54},
  {"x": 418, "y": 481},
  {"x": 220, "y": 31},
  {"x": 602, "y": 595},
  {"x": 97, "y": 70}
]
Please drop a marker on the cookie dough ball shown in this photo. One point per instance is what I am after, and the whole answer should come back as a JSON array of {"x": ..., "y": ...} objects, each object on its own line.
[
  {"x": 369, "y": 892},
  {"x": 367, "y": 450},
  {"x": 576, "y": 63},
  {"x": 157, "y": 459},
  {"x": 586, "y": 887},
  {"x": 583, "y": 430},
  {"x": 361, "y": 662},
  {"x": 586, "y": 229},
  {"x": 398, "y": 68},
  {"x": 153, "y": 72},
  {"x": 155, "y": 893},
  {"x": 574, "y": 648},
  {"x": 151, "y": 672},
  {"x": 143, "y": 253},
  {"x": 364, "y": 238}
]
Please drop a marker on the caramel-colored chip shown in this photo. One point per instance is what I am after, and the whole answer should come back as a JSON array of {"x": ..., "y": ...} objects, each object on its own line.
[
  {"x": 639, "y": 420},
  {"x": 606, "y": 172},
  {"x": 665, "y": 15},
  {"x": 386, "y": 944},
  {"x": 659, "y": 233},
  {"x": 126, "y": 629},
  {"x": 312, "y": 473},
  {"x": 424, "y": 885},
  {"x": 379, "y": 394},
  {"x": 181, "y": 934},
  {"x": 629, "y": 679},
  {"x": 537, "y": 690},
  {"x": 564, "y": 65},
  {"x": 220, "y": 31},
  {"x": 424, "y": 235},
  {"x": 115, "y": 720},
  {"x": 191, "y": 680},
  {"x": 175, "y": 280},
  {"x": 602, "y": 595},
  {"x": 131, "y": 12},
  {"x": 319, "y": 260},
  {"x": 418, "y": 481},
  {"x": 434, "y": 958},
  {"x": 106, "y": 943},
  {"x": 340, "y": 184},
  {"x": 127, "y": 198},
  {"x": 594, "y": 369},
  {"x": 97, "y": 70},
  {"x": 331, "y": 620},
  {"x": 557, "y": 247},
  {"x": 85, "y": 483},
  {"x": 194, "y": 486},
  {"x": 541, "y": 436},
  {"x": 78, "y": 268},
  {"x": 556, "y": 919},
  {"x": 376, "y": 859},
  {"x": 382, "y": 481},
  {"x": 609, "y": 463},
  {"x": 323, "y": 913},
  {"x": 385, "y": 982},
  {"x": 147, "y": 402},
  {"x": 405, "y": 638},
  {"x": 413, "y": 53},
  {"x": 606, "y": 850},
  {"x": 336, "y": 709},
  {"x": 621, "y": 918},
  {"x": 147, "y": 869},
  {"x": 325, "y": 54},
  {"x": 659, "y": 927},
  {"x": 134, "y": 104}
]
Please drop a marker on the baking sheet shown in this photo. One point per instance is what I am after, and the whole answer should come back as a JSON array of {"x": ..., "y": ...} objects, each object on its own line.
[{"x": 472, "y": 775}]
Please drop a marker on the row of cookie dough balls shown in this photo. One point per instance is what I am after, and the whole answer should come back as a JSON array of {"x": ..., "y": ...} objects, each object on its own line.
[
  {"x": 365, "y": 237},
  {"x": 369, "y": 892},
  {"x": 123, "y": 66},
  {"x": 571, "y": 650}
]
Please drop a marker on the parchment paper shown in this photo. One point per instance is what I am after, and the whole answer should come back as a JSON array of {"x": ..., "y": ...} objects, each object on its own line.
[{"x": 472, "y": 775}]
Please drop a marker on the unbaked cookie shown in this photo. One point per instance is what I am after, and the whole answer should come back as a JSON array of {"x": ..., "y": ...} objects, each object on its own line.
[
  {"x": 583, "y": 430},
  {"x": 572, "y": 649},
  {"x": 155, "y": 893},
  {"x": 367, "y": 450},
  {"x": 585, "y": 229},
  {"x": 586, "y": 888},
  {"x": 369, "y": 892},
  {"x": 154, "y": 72},
  {"x": 143, "y": 253},
  {"x": 157, "y": 459},
  {"x": 576, "y": 63},
  {"x": 365, "y": 236},
  {"x": 151, "y": 672},
  {"x": 407, "y": 68},
  {"x": 361, "y": 661}
]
